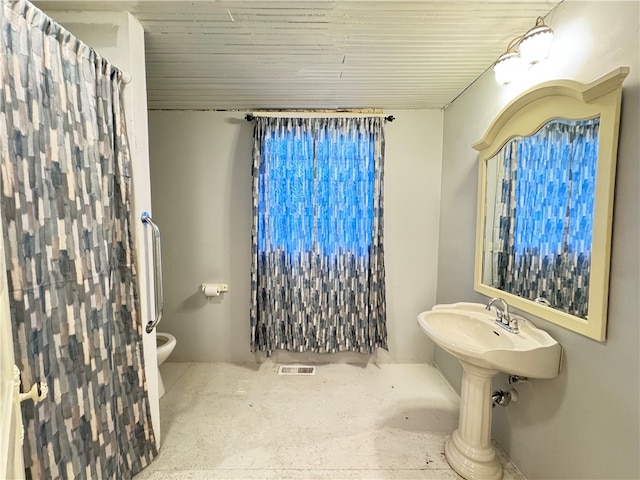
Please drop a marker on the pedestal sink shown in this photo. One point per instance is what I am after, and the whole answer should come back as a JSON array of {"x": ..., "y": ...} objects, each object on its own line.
[{"x": 469, "y": 332}]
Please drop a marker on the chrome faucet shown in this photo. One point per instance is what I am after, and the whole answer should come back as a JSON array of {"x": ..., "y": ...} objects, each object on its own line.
[{"x": 503, "y": 317}]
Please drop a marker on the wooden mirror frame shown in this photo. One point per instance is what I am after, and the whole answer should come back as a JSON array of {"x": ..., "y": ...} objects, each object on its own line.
[{"x": 525, "y": 115}]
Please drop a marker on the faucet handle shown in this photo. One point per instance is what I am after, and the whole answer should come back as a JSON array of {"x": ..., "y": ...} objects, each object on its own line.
[{"x": 513, "y": 324}]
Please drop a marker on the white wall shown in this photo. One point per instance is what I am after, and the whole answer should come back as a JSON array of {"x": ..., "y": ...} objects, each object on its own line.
[
  {"x": 584, "y": 424},
  {"x": 201, "y": 191},
  {"x": 119, "y": 38}
]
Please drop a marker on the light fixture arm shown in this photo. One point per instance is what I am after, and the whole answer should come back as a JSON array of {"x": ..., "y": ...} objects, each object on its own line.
[
  {"x": 514, "y": 43},
  {"x": 539, "y": 25}
]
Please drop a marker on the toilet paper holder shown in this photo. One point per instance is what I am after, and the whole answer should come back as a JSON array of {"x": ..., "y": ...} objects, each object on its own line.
[{"x": 214, "y": 289}]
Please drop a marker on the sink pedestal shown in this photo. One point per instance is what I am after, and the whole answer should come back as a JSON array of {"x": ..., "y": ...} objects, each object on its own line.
[
  {"x": 469, "y": 333},
  {"x": 469, "y": 450}
]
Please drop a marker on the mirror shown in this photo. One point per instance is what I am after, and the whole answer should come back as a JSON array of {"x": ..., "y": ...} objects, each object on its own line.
[{"x": 545, "y": 202}]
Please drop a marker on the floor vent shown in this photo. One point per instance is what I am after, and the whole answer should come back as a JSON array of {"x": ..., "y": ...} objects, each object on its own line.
[{"x": 296, "y": 370}]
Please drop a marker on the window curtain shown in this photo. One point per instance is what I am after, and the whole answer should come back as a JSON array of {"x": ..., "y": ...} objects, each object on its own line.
[
  {"x": 65, "y": 196},
  {"x": 317, "y": 275},
  {"x": 546, "y": 214}
]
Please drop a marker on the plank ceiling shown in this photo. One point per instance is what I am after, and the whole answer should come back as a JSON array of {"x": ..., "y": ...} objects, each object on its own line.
[{"x": 256, "y": 55}]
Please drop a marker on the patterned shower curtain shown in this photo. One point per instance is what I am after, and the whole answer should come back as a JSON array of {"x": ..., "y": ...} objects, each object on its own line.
[
  {"x": 318, "y": 264},
  {"x": 544, "y": 218},
  {"x": 65, "y": 198}
]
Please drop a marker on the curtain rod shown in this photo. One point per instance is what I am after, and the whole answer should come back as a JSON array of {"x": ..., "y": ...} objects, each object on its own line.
[
  {"x": 57, "y": 31},
  {"x": 249, "y": 117}
]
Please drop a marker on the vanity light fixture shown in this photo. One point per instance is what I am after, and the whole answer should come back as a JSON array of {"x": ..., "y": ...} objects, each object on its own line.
[
  {"x": 536, "y": 43},
  {"x": 523, "y": 52},
  {"x": 510, "y": 65}
]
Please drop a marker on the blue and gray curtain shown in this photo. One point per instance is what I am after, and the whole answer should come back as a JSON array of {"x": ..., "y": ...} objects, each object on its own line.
[
  {"x": 317, "y": 277},
  {"x": 66, "y": 213},
  {"x": 544, "y": 214}
]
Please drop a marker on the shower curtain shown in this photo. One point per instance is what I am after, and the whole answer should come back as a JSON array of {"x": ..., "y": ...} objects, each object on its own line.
[{"x": 65, "y": 198}]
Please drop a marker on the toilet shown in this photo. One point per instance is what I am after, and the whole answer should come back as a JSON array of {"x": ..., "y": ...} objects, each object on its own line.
[{"x": 165, "y": 343}]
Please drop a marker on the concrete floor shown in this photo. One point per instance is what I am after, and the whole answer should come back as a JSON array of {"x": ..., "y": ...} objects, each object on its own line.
[{"x": 226, "y": 421}]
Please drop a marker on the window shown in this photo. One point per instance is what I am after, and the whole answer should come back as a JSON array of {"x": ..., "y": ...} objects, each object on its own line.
[
  {"x": 318, "y": 268},
  {"x": 317, "y": 191}
]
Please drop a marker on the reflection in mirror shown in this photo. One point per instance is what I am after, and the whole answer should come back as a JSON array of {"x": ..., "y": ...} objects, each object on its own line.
[{"x": 539, "y": 218}]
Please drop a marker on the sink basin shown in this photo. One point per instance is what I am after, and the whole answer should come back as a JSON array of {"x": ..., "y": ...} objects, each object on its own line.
[{"x": 469, "y": 332}]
